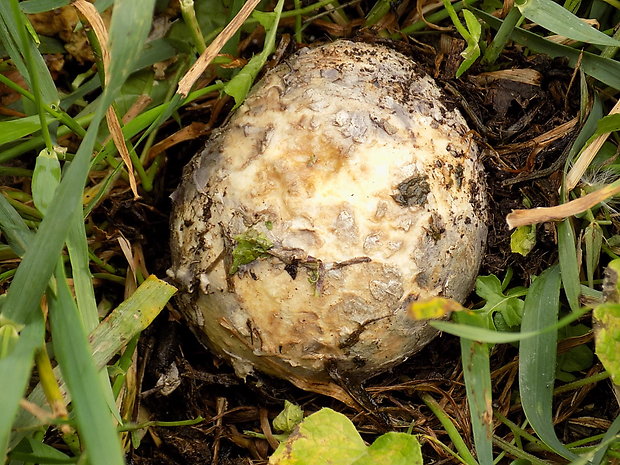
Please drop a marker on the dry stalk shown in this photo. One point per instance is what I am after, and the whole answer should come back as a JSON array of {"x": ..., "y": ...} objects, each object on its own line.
[
  {"x": 586, "y": 157},
  {"x": 559, "y": 212},
  {"x": 214, "y": 48},
  {"x": 94, "y": 19}
]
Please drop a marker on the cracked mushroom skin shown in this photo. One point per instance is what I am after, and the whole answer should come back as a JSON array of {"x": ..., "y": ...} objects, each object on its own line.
[{"x": 340, "y": 191}]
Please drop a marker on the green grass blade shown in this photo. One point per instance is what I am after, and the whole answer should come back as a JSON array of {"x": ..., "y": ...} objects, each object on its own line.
[
  {"x": 32, "y": 451},
  {"x": 496, "y": 337},
  {"x": 568, "y": 263},
  {"x": 239, "y": 86},
  {"x": 123, "y": 323},
  {"x": 557, "y": 19},
  {"x": 448, "y": 425},
  {"x": 537, "y": 357},
  {"x": 604, "y": 69},
  {"x": 36, "y": 268},
  {"x": 85, "y": 294},
  {"x": 131, "y": 23},
  {"x": 130, "y": 26},
  {"x": 73, "y": 353},
  {"x": 10, "y": 37},
  {"x": 494, "y": 49},
  {"x": 611, "y": 433},
  {"x": 477, "y": 374},
  {"x": 14, "y": 129},
  {"x": 39, "y": 6},
  {"x": 14, "y": 371},
  {"x": 13, "y": 227}
]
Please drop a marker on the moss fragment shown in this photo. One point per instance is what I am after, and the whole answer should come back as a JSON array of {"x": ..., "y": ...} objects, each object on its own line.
[{"x": 251, "y": 245}]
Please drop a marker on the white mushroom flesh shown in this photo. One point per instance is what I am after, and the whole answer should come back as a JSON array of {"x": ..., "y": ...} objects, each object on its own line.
[{"x": 367, "y": 194}]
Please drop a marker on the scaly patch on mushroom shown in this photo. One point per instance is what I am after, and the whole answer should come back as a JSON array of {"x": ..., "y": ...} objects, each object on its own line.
[{"x": 340, "y": 191}]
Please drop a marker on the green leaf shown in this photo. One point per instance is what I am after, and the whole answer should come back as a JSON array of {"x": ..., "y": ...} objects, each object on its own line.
[
  {"x": 523, "y": 239},
  {"x": 568, "y": 263},
  {"x": 477, "y": 374},
  {"x": 16, "y": 128},
  {"x": 593, "y": 239},
  {"x": 608, "y": 338},
  {"x": 239, "y": 86},
  {"x": 329, "y": 438},
  {"x": 393, "y": 449},
  {"x": 251, "y": 245},
  {"x": 73, "y": 353},
  {"x": 288, "y": 418},
  {"x": 45, "y": 179},
  {"x": 472, "y": 52},
  {"x": 326, "y": 437},
  {"x": 471, "y": 34},
  {"x": 537, "y": 358},
  {"x": 509, "y": 306},
  {"x": 559, "y": 20},
  {"x": 604, "y": 69}
]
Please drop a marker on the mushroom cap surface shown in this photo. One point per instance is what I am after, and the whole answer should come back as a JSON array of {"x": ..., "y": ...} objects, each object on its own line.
[{"x": 342, "y": 190}]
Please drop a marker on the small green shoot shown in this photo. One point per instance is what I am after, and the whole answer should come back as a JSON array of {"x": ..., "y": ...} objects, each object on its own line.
[
  {"x": 471, "y": 34},
  {"x": 239, "y": 86},
  {"x": 288, "y": 418}
]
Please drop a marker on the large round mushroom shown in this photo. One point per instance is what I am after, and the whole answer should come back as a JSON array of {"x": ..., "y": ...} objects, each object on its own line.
[{"x": 342, "y": 190}]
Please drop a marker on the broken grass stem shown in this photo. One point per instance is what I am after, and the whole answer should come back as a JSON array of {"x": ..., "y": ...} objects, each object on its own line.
[{"x": 543, "y": 214}]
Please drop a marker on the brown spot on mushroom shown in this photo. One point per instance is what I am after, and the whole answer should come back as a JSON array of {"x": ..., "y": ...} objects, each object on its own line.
[{"x": 412, "y": 191}]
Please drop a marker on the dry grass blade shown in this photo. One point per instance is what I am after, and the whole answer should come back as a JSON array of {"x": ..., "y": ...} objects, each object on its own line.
[
  {"x": 541, "y": 140},
  {"x": 193, "y": 131},
  {"x": 586, "y": 157},
  {"x": 542, "y": 214},
  {"x": 212, "y": 50},
  {"x": 94, "y": 19},
  {"x": 522, "y": 75},
  {"x": 117, "y": 135}
]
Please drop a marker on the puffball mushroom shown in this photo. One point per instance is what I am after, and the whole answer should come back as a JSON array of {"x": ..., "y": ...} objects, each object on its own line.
[{"x": 342, "y": 190}]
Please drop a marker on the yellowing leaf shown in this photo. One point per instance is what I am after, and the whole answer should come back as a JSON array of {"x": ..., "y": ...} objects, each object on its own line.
[
  {"x": 329, "y": 438},
  {"x": 436, "y": 307}
]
